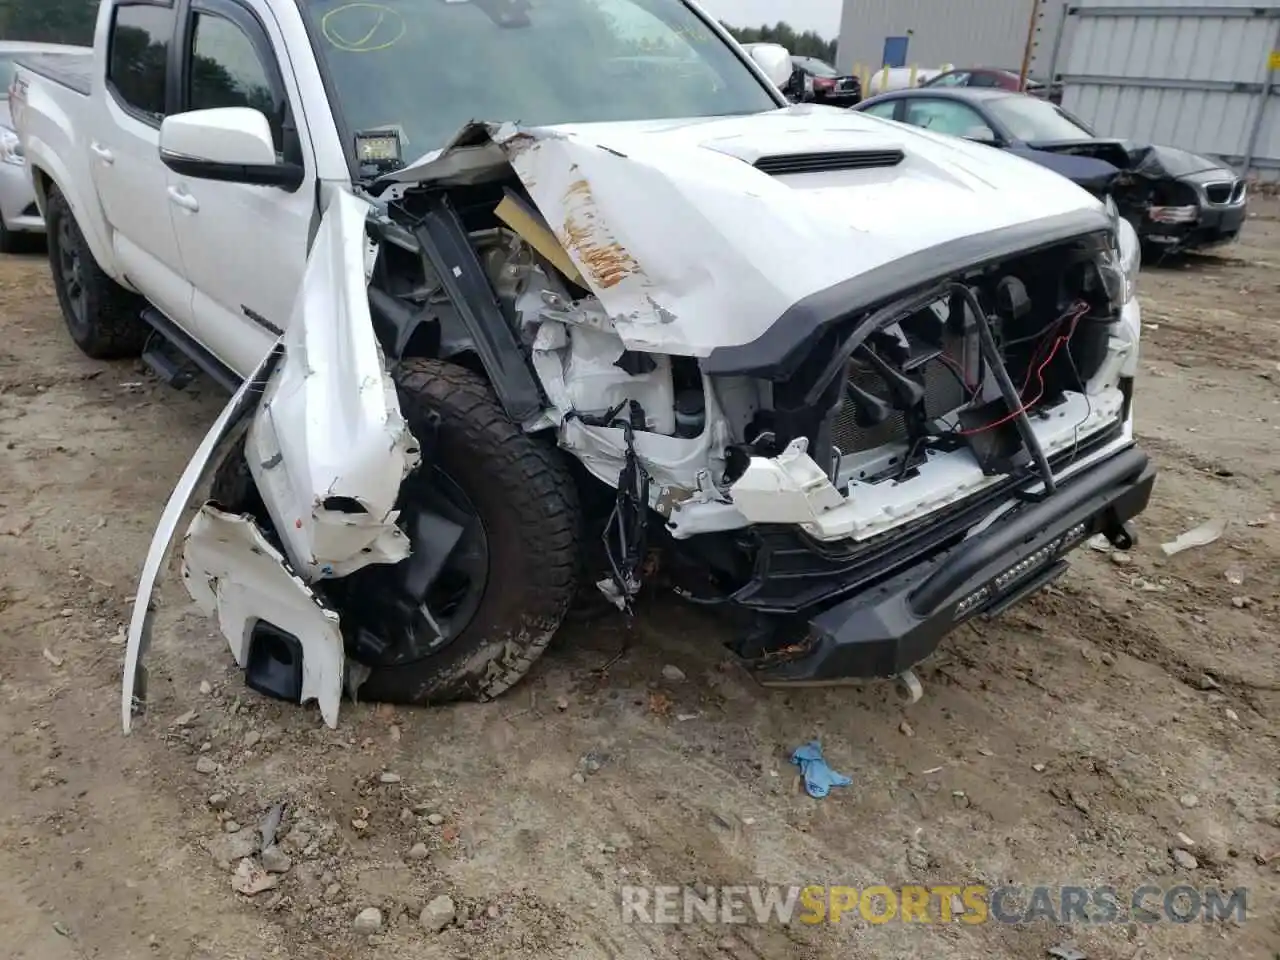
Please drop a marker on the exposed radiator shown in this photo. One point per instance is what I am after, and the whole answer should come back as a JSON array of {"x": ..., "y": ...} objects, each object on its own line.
[{"x": 943, "y": 393}]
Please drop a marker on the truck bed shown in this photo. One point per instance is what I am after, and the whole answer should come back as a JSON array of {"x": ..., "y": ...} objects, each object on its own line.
[{"x": 72, "y": 70}]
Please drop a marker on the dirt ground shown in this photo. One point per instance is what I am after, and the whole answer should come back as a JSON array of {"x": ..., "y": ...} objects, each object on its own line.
[{"x": 1069, "y": 742}]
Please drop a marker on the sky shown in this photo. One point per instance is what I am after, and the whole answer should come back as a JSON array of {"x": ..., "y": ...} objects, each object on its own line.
[{"x": 820, "y": 15}]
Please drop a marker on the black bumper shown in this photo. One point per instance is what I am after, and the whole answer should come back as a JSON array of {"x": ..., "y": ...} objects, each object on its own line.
[
  {"x": 888, "y": 628},
  {"x": 1216, "y": 225}
]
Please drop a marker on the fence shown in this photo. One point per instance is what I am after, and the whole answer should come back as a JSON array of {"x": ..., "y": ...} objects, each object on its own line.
[{"x": 1202, "y": 78}]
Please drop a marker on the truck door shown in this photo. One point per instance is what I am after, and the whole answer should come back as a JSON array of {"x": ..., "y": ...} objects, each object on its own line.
[
  {"x": 245, "y": 246},
  {"x": 124, "y": 150}
]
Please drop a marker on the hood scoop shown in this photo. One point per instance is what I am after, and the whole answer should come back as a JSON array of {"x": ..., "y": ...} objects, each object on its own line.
[{"x": 784, "y": 164}]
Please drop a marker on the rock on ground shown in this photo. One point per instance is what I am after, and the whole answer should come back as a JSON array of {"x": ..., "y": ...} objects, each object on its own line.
[
  {"x": 438, "y": 914},
  {"x": 368, "y": 921}
]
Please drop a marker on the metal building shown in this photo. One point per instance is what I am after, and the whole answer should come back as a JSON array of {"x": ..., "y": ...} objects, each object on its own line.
[
  {"x": 1193, "y": 74},
  {"x": 931, "y": 33}
]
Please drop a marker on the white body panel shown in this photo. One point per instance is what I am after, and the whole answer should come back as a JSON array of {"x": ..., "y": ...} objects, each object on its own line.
[
  {"x": 17, "y": 191},
  {"x": 329, "y": 425},
  {"x": 193, "y": 477},
  {"x": 237, "y": 577},
  {"x": 199, "y": 266}
]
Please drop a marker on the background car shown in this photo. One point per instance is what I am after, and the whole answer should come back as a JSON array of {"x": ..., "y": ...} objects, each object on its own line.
[
  {"x": 996, "y": 78},
  {"x": 799, "y": 87},
  {"x": 828, "y": 85},
  {"x": 1175, "y": 200},
  {"x": 18, "y": 212}
]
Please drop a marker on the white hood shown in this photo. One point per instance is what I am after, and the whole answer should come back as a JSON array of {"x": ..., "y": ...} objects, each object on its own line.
[{"x": 690, "y": 247}]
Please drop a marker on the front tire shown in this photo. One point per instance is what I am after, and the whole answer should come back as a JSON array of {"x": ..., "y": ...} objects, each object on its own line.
[
  {"x": 103, "y": 318},
  {"x": 527, "y": 543}
]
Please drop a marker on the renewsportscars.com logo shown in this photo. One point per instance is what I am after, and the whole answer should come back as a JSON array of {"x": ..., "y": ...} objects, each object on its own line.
[{"x": 968, "y": 904}]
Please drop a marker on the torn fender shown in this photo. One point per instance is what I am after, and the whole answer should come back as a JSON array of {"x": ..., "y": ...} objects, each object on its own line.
[
  {"x": 230, "y": 423},
  {"x": 329, "y": 448}
]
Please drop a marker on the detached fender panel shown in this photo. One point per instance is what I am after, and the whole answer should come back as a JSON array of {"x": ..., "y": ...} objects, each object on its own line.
[
  {"x": 230, "y": 421},
  {"x": 234, "y": 574}
]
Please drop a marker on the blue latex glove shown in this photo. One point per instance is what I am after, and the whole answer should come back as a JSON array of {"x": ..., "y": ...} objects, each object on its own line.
[{"x": 818, "y": 777}]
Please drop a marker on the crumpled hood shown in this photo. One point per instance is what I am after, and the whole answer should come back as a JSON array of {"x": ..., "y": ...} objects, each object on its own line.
[
  {"x": 690, "y": 247},
  {"x": 1155, "y": 161}
]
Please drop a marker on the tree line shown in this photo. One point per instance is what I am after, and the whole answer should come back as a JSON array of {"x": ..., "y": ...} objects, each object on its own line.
[
  {"x": 48, "y": 21},
  {"x": 806, "y": 43}
]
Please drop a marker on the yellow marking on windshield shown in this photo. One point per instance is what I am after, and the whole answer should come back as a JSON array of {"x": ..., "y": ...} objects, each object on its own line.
[{"x": 387, "y": 29}]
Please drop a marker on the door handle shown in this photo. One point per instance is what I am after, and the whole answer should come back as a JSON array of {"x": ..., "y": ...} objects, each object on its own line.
[
  {"x": 183, "y": 199},
  {"x": 102, "y": 153}
]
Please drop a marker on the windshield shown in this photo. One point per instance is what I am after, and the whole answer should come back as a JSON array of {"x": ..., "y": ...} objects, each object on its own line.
[
  {"x": 1036, "y": 121},
  {"x": 818, "y": 68},
  {"x": 427, "y": 67}
]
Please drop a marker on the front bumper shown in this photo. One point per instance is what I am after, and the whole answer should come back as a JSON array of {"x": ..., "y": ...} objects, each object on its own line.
[
  {"x": 1213, "y": 225},
  {"x": 886, "y": 629},
  {"x": 838, "y": 98}
]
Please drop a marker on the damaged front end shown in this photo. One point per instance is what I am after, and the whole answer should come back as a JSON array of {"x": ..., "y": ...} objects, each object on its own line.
[
  {"x": 1175, "y": 200},
  {"x": 803, "y": 438},
  {"x": 852, "y": 451},
  {"x": 318, "y": 431}
]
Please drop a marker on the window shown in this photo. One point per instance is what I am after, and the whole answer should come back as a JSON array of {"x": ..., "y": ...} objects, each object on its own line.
[
  {"x": 956, "y": 79},
  {"x": 137, "y": 67},
  {"x": 985, "y": 80},
  {"x": 815, "y": 67},
  {"x": 885, "y": 110},
  {"x": 947, "y": 116},
  {"x": 1037, "y": 121},
  {"x": 226, "y": 71}
]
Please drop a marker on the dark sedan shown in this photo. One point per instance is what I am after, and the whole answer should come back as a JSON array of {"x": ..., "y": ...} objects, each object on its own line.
[{"x": 1174, "y": 199}]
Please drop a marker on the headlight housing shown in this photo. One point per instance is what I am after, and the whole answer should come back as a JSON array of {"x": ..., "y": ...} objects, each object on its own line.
[
  {"x": 1127, "y": 253},
  {"x": 11, "y": 148}
]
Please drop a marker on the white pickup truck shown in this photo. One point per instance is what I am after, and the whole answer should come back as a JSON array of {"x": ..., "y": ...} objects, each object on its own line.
[{"x": 514, "y": 296}]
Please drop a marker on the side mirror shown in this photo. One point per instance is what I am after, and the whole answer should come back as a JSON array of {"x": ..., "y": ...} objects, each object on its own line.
[
  {"x": 982, "y": 134},
  {"x": 775, "y": 61},
  {"x": 230, "y": 144}
]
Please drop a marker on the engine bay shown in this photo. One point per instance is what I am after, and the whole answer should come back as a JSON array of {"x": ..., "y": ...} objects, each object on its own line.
[{"x": 916, "y": 379}]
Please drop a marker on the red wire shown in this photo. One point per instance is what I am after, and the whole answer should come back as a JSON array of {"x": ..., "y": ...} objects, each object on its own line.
[{"x": 1039, "y": 372}]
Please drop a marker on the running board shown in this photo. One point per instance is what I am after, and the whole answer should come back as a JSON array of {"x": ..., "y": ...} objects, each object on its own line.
[{"x": 171, "y": 339}]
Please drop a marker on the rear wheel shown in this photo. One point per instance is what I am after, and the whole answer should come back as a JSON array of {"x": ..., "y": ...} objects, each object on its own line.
[
  {"x": 103, "y": 318},
  {"x": 493, "y": 518}
]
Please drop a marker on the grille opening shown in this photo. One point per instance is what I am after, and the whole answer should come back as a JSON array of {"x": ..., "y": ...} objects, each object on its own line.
[
  {"x": 789, "y": 163},
  {"x": 1219, "y": 192}
]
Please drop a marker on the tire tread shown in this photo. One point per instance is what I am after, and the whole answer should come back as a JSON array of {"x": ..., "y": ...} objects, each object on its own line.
[
  {"x": 537, "y": 483},
  {"x": 116, "y": 328}
]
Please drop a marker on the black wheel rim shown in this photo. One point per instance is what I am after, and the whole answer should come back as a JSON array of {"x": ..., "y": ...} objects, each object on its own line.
[
  {"x": 396, "y": 617},
  {"x": 70, "y": 273}
]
